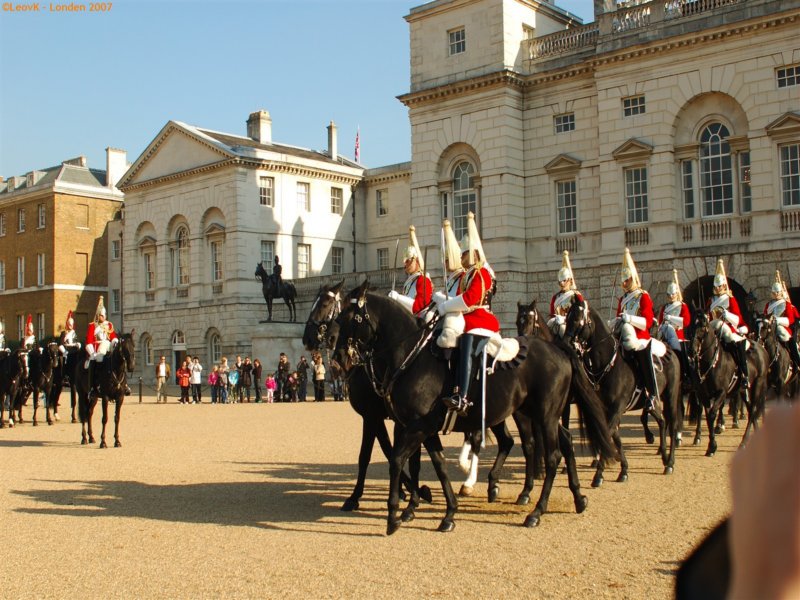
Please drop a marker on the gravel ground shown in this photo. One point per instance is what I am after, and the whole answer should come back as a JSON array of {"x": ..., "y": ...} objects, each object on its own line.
[{"x": 242, "y": 501}]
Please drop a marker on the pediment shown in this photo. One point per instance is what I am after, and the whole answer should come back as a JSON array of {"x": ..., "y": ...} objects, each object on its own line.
[
  {"x": 214, "y": 229},
  {"x": 563, "y": 163},
  {"x": 787, "y": 125},
  {"x": 633, "y": 149},
  {"x": 176, "y": 149},
  {"x": 146, "y": 241}
]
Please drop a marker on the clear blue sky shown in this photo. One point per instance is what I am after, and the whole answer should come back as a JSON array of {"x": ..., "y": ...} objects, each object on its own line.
[{"x": 73, "y": 84}]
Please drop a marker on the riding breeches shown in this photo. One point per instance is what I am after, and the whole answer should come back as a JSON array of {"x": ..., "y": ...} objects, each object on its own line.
[
  {"x": 725, "y": 333},
  {"x": 670, "y": 336},
  {"x": 557, "y": 325}
]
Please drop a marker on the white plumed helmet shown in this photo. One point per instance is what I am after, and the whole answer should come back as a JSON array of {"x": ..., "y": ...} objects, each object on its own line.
[
  {"x": 720, "y": 278},
  {"x": 413, "y": 249},
  {"x": 471, "y": 242},
  {"x": 674, "y": 287}
]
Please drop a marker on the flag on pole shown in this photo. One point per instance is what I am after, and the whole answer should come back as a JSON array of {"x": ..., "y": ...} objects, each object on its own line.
[{"x": 358, "y": 146}]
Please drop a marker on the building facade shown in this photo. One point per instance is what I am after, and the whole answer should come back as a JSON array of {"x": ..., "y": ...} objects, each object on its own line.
[{"x": 53, "y": 243}]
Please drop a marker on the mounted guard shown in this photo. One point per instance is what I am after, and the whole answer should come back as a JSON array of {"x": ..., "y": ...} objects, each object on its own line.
[
  {"x": 418, "y": 287},
  {"x": 726, "y": 319},
  {"x": 29, "y": 339},
  {"x": 2, "y": 337},
  {"x": 452, "y": 323},
  {"x": 562, "y": 300},
  {"x": 673, "y": 320},
  {"x": 633, "y": 321},
  {"x": 784, "y": 312},
  {"x": 68, "y": 345},
  {"x": 100, "y": 339}
]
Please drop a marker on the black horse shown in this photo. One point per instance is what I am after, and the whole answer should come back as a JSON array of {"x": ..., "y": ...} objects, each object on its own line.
[
  {"x": 529, "y": 322},
  {"x": 61, "y": 378},
  {"x": 380, "y": 335},
  {"x": 111, "y": 381},
  {"x": 13, "y": 371},
  {"x": 42, "y": 363},
  {"x": 617, "y": 382},
  {"x": 782, "y": 375},
  {"x": 717, "y": 375},
  {"x": 320, "y": 332},
  {"x": 287, "y": 292}
]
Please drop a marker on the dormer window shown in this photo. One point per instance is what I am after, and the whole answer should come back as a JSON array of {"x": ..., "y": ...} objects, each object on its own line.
[{"x": 457, "y": 40}]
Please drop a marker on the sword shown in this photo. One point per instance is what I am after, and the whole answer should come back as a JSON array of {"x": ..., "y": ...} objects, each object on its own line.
[
  {"x": 611, "y": 303},
  {"x": 424, "y": 276},
  {"x": 444, "y": 266},
  {"x": 394, "y": 265}
]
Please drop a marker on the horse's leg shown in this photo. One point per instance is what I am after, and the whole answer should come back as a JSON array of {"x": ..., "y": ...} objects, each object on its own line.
[
  {"x": 720, "y": 426},
  {"x": 699, "y": 410},
  {"x": 552, "y": 457},
  {"x": 658, "y": 415},
  {"x": 526, "y": 436},
  {"x": 568, "y": 450},
  {"x": 35, "y": 395},
  {"x": 405, "y": 480},
  {"x": 473, "y": 441},
  {"x": 269, "y": 309},
  {"x": 368, "y": 435},
  {"x": 405, "y": 443},
  {"x": 104, "y": 421},
  {"x": 613, "y": 427},
  {"x": 714, "y": 413},
  {"x": 73, "y": 400},
  {"x": 504, "y": 445},
  {"x": 464, "y": 455},
  {"x": 434, "y": 447},
  {"x": 414, "y": 462},
  {"x": 648, "y": 435},
  {"x": 2, "y": 409},
  {"x": 117, "y": 414}
]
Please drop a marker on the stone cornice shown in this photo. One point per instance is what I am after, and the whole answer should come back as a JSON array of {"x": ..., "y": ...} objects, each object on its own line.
[
  {"x": 497, "y": 79},
  {"x": 386, "y": 177}
]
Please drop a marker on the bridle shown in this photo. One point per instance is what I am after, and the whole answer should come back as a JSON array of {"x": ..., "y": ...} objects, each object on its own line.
[
  {"x": 324, "y": 321},
  {"x": 701, "y": 331},
  {"x": 580, "y": 337}
]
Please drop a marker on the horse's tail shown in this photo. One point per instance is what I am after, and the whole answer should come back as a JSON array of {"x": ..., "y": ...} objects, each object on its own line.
[{"x": 592, "y": 413}]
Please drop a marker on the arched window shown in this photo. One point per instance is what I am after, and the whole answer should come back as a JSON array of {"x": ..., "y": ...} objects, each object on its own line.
[
  {"x": 716, "y": 171},
  {"x": 180, "y": 256},
  {"x": 214, "y": 348},
  {"x": 465, "y": 197},
  {"x": 146, "y": 344}
]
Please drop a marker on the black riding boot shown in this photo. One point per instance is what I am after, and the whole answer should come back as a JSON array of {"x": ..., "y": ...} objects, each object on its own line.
[
  {"x": 740, "y": 354},
  {"x": 648, "y": 373},
  {"x": 465, "y": 374},
  {"x": 794, "y": 352},
  {"x": 686, "y": 367}
]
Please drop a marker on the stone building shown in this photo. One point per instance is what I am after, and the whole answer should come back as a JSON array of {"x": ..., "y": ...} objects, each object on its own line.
[
  {"x": 672, "y": 128},
  {"x": 53, "y": 243}
]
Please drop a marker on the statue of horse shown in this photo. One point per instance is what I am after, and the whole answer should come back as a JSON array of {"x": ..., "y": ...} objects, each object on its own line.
[
  {"x": 112, "y": 384},
  {"x": 287, "y": 292}
]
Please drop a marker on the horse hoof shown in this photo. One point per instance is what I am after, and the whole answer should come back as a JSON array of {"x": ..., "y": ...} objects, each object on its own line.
[
  {"x": 523, "y": 500},
  {"x": 425, "y": 494},
  {"x": 595, "y": 463},
  {"x": 84, "y": 441},
  {"x": 407, "y": 515},
  {"x": 678, "y": 442},
  {"x": 92, "y": 440},
  {"x": 649, "y": 438},
  {"x": 696, "y": 441},
  {"x": 466, "y": 490},
  {"x": 57, "y": 418},
  {"x": 392, "y": 526},
  {"x": 597, "y": 481},
  {"x": 36, "y": 423},
  {"x": 403, "y": 495},
  {"x": 581, "y": 503},
  {"x": 74, "y": 420},
  {"x": 719, "y": 429},
  {"x": 531, "y": 521},
  {"x": 349, "y": 505},
  {"x": 668, "y": 470},
  {"x": 710, "y": 452},
  {"x": 622, "y": 478},
  {"x": 494, "y": 492},
  {"x": 49, "y": 421},
  {"x": 447, "y": 525},
  {"x": 103, "y": 444},
  {"x": 117, "y": 444}
]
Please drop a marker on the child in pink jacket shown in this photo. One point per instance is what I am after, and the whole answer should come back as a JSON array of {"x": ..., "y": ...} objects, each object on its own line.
[{"x": 271, "y": 385}]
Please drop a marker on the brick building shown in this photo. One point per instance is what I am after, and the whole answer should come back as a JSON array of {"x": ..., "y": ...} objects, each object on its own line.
[{"x": 53, "y": 243}]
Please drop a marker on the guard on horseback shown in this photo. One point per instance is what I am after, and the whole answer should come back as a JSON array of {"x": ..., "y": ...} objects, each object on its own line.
[
  {"x": 673, "y": 320},
  {"x": 562, "y": 300},
  {"x": 727, "y": 321},
  {"x": 29, "y": 339},
  {"x": 452, "y": 323},
  {"x": 479, "y": 322},
  {"x": 2, "y": 337},
  {"x": 68, "y": 345},
  {"x": 633, "y": 321},
  {"x": 783, "y": 310},
  {"x": 100, "y": 339},
  {"x": 418, "y": 287},
  {"x": 277, "y": 280}
]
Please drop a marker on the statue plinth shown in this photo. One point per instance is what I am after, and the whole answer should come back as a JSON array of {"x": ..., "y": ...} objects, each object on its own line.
[{"x": 271, "y": 338}]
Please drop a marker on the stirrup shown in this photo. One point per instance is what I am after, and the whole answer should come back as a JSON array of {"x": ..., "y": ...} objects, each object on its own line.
[{"x": 457, "y": 403}]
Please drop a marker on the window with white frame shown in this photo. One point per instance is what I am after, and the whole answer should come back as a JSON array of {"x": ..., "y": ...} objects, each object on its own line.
[
  {"x": 20, "y": 271},
  {"x": 633, "y": 105},
  {"x": 745, "y": 192},
  {"x": 567, "y": 204},
  {"x": 465, "y": 197},
  {"x": 116, "y": 249},
  {"x": 2, "y": 224},
  {"x": 444, "y": 200},
  {"x": 266, "y": 191},
  {"x": 214, "y": 348},
  {"x": 20, "y": 220},
  {"x": 267, "y": 252},
  {"x": 716, "y": 171},
  {"x": 457, "y": 41},
  {"x": 2, "y": 275},
  {"x": 116, "y": 301},
  {"x": 381, "y": 203},
  {"x": 180, "y": 257},
  {"x": 636, "y": 195},
  {"x": 303, "y": 260},
  {"x": 337, "y": 200},
  {"x": 147, "y": 349},
  {"x": 217, "y": 252},
  {"x": 564, "y": 123},
  {"x": 149, "y": 264},
  {"x": 687, "y": 188},
  {"x": 790, "y": 175},
  {"x": 303, "y": 196},
  {"x": 383, "y": 259},
  {"x": 337, "y": 260},
  {"x": 788, "y": 76},
  {"x": 40, "y": 331},
  {"x": 41, "y": 216},
  {"x": 40, "y": 275}
]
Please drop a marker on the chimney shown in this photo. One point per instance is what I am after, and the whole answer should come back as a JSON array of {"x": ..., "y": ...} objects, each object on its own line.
[
  {"x": 259, "y": 127},
  {"x": 332, "y": 141},
  {"x": 78, "y": 161},
  {"x": 116, "y": 165}
]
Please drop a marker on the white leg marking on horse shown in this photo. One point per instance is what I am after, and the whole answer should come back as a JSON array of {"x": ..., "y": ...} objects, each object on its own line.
[{"x": 463, "y": 458}]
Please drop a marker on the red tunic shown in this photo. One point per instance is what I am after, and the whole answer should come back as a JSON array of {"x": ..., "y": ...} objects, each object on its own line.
[
  {"x": 474, "y": 286},
  {"x": 645, "y": 310},
  {"x": 733, "y": 307},
  {"x": 790, "y": 312},
  {"x": 112, "y": 335},
  {"x": 687, "y": 318},
  {"x": 424, "y": 291},
  {"x": 577, "y": 294}
]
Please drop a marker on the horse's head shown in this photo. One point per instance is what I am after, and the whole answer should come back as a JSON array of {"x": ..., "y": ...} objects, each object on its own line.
[
  {"x": 357, "y": 329},
  {"x": 768, "y": 333},
  {"x": 260, "y": 272},
  {"x": 127, "y": 351},
  {"x": 697, "y": 331},
  {"x": 321, "y": 328},
  {"x": 579, "y": 323},
  {"x": 53, "y": 356},
  {"x": 528, "y": 322}
]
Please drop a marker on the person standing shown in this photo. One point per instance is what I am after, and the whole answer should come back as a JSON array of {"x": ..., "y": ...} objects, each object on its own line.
[
  {"x": 246, "y": 379},
  {"x": 184, "y": 374},
  {"x": 257, "y": 371},
  {"x": 213, "y": 378},
  {"x": 319, "y": 379},
  {"x": 302, "y": 374},
  {"x": 282, "y": 376},
  {"x": 222, "y": 381},
  {"x": 237, "y": 384},
  {"x": 271, "y": 385},
  {"x": 418, "y": 287},
  {"x": 196, "y": 380},
  {"x": 162, "y": 376}
]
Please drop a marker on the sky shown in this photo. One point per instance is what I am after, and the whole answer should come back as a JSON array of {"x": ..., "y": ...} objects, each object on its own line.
[{"x": 74, "y": 84}]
